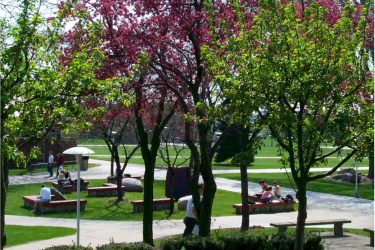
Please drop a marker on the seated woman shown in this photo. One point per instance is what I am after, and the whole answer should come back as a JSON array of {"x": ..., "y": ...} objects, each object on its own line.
[
  {"x": 67, "y": 176},
  {"x": 277, "y": 190},
  {"x": 61, "y": 177},
  {"x": 266, "y": 196},
  {"x": 263, "y": 184}
]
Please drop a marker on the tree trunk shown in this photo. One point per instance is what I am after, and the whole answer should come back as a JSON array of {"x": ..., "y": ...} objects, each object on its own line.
[
  {"x": 371, "y": 167},
  {"x": 209, "y": 185},
  {"x": 4, "y": 188},
  {"x": 116, "y": 158},
  {"x": 208, "y": 199},
  {"x": 245, "y": 198},
  {"x": 148, "y": 196},
  {"x": 4, "y": 181},
  {"x": 301, "y": 219}
]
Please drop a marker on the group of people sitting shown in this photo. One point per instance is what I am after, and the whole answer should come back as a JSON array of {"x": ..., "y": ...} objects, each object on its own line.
[
  {"x": 267, "y": 194},
  {"x": 64, "y": 178}
]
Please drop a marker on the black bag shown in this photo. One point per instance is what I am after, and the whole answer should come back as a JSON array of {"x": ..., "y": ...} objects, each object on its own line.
[
  {"x": 258, "y": 194},
  {"x": 289, "y": 197},
  {"x": 252, "y": 202}
]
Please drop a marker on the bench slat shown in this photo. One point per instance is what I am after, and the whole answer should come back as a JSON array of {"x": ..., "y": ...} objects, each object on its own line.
[
  {"x": 53, "y": 206},
  {"x": 158, "y": 204},
  {"x": 311, "y": 223},
  {"x": 260, "y": 207},
  {"x": 337, "y": 225}
]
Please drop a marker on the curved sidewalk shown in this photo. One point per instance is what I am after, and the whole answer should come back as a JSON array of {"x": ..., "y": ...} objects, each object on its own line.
[{"x": 320, "y": 206}]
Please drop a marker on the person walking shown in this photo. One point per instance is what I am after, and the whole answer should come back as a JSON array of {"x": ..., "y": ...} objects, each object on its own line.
[
  {"x": 191, "y": 218},
  {"x": 50, "y": 164},
  {"x": 59, "y": 162}
]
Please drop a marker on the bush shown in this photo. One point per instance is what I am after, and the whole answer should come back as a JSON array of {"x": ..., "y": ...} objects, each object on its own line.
[
  {"x": 172, "y": 243},
  {"x": 125, "y": 246},
  {"x": 192, "y": 243},
  {"x": 68, "y": 247},
  {"x": 244, "y": 241},
  {"x": 238, "y": 241},
  {"x": 282, "y": 241},
  {"x": 313, "y": 242}
]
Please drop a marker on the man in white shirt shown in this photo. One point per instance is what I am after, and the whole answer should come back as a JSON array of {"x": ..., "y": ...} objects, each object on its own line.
[
  {"x": 44, "y": 196},
  {"x": 191, "y": 218},
  {"x": 50, "y": 163}
]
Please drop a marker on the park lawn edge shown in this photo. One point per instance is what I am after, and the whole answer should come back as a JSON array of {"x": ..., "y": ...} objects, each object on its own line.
[{"x": 18, "y": 235}]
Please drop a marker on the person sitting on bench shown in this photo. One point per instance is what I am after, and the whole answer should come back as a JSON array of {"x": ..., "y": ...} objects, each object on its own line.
[
  {"x": 264, "y": 185},
  {"x": 266, "y": 196},
  {"x": 44, "y": 196},
  {"x": 277, "y": 190}
]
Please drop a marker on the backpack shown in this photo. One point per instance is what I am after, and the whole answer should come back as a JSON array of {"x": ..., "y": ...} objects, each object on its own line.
[{"x": 287, "y": 198}]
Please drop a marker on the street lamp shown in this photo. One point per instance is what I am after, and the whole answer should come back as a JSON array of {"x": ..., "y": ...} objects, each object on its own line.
[
  {"x": 78, "y": 152},
  {"x": 356, "y": 180}
]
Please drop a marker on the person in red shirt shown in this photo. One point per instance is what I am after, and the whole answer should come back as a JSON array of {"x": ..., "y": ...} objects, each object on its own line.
[
  {"x": 60, "y": 162},
  {"x": 264, "y": 185}
]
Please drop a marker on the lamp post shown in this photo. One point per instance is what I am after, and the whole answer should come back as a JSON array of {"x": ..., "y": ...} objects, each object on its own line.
[
  {"x": 356, "y": 180},
  {"x": 78, "y": 152}
]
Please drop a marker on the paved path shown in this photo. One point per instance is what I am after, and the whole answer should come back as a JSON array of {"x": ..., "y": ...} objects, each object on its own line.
[{"x": 360, "y": 211}]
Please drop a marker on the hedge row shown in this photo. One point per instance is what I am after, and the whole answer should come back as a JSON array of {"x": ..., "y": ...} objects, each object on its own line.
[{"x": 228, "y": 242}]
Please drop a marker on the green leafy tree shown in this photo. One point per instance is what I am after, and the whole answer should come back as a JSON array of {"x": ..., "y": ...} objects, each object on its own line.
[
  {"x": 40, "y": 85},
  {"x": 305, "y": 69},
  {"x": 230, "y": 147}
]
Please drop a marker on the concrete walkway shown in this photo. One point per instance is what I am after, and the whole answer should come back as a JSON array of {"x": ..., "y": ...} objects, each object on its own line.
[{"x": 360, "y": 211}]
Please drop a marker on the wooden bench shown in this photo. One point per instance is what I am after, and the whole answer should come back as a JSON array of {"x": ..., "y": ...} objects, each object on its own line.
[
  {"x": 158, "y": 204},
  {"x": 53, "y": 206},
  {"x": 274, "y": 206},
  {"x": 371, "y": 230},
  {"x": 337, "y": 225},
  {"x": 107, "y": 191},
  {"x": 254, "y": 198},
  {"x": 67, "y": 189},
  {"x": 113, "y": 179},
  {"x": 83, "y": 185}
]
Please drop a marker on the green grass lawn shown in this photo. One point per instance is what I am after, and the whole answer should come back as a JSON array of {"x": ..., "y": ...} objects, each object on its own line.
[
  {"x": 104, "y": 208},
  {"x": 18, "y": 235},
  {"x": 269, "y": 163},
  {"x": 23, "y": 171},
  {"x": 322, "y": 185}
]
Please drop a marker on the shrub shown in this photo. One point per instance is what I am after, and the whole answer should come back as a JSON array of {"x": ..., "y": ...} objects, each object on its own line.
[
  {"x": 192, "y": 243},
  {"x": 285, "y": 241},
  {"x": 313, "y": 241},
  {"x": 238, "y": 241},
  {"x": 172, "y": 243},
  {"x": 244, "y": 241},
  {"x": 69, "y": 247},
  {"x": 282, "y": 241},
  {"x": 125, "y": 246}
]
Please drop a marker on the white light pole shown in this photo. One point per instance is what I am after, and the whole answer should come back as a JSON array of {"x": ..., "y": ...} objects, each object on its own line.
[
  {"x": 356, "y": 180},
  {"x": 78, "y": 152}
]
